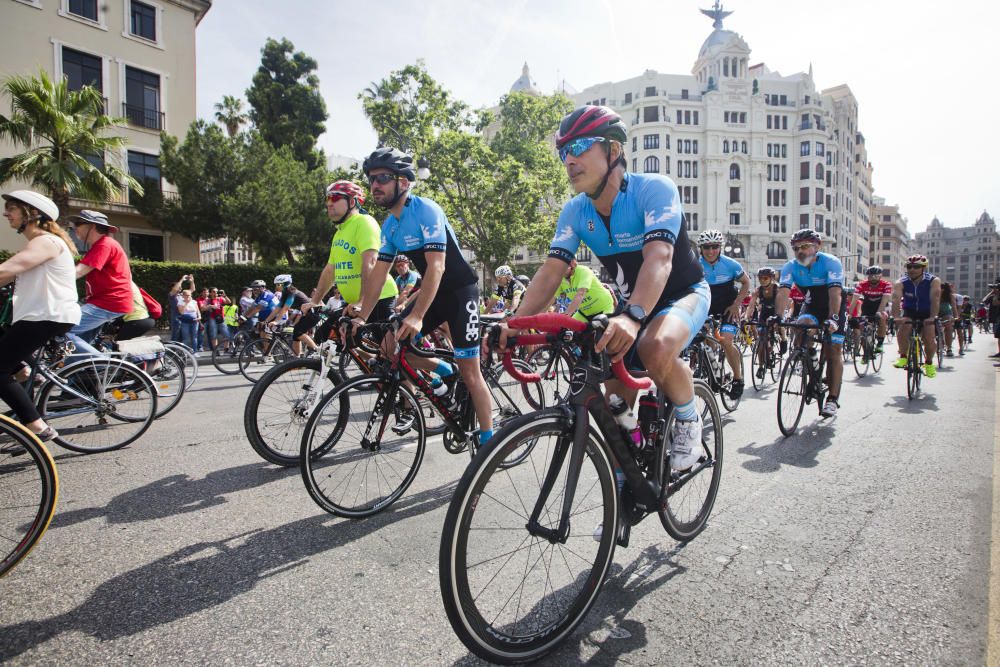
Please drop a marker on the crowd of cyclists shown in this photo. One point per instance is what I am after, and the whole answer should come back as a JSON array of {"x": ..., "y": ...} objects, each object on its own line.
[{"x": 666, "y": 288}]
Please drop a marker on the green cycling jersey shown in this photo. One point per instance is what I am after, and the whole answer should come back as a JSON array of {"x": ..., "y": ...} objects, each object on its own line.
[
  {"x": 356, "y": 236},
  {"x": 597, "y": 300}
]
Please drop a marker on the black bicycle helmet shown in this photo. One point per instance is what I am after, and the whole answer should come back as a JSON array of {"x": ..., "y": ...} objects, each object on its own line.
[
  {"x": 392, "y": 159},
  {"x": 874, "y": 271}
]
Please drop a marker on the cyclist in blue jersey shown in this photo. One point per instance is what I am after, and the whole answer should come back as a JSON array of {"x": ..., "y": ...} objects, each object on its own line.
[
  {"x": 634, "y": 224},
  {"x": 407, "y": 281},
  {"x": 821, "y": 277},
  {"x": 722, "y": 273},
  {"x": 264, "y": 301},
  {"x": 449, "y": 291},
  {"x": 918, "y": 295}
]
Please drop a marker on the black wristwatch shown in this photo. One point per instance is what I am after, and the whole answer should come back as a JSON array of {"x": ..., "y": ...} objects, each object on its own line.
[{"x": 635, "y": 312}]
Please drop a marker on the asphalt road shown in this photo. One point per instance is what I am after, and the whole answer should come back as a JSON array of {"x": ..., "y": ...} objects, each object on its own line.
[{"x": 862, "y": 540}]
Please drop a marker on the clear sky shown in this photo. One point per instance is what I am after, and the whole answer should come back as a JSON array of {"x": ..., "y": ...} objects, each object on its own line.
[{"x": 925, "y": 73}]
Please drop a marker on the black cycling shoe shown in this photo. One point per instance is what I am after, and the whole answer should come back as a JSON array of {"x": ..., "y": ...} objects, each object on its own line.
[
  {"x": 761, "y": 372},
  {"x": 737, "y": 389},
  {"x": 782, "y": 346}
]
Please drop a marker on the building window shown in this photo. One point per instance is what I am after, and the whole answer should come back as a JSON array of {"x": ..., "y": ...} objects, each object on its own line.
[
  {"x": 651, "y": 91},
  {"x": 651, "y": 142},
  {"x": 651, "y": 165},
  {"x": 85, "y": 8},
  {"x": 628, "y": 98},
  {"x": 82, "y": 69},
  {"x": 776, "y": 250},
  {"x": 734, "y": 195},
  {"x": 634, "y": 144},
  {"x": 142, "y": 99},
  {"x": 145, "y": 246},
  {"x": 634, "y": 165},
  {"x": 143, "y": 20},
  {"x": 743, "y": 147},
  {"x": 804, "y": 148},
  {"x": 803, "y": 171},
  {"x": 734, "y": 172},
  {"x": 650, "y": 114},
  {"x": 687, "y": 117},
  {"x": 803, "y": 196},
  {"x": 666, "y": 162},
  {"x": 734, "y": 219},
  {"x": 144, "y": 168},
  {"x": 819, "y": 148},
  {"x": 725, "y": 145}
]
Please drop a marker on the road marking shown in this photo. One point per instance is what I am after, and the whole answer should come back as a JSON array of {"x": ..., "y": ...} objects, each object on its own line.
[{"x": 993, "y": 641}]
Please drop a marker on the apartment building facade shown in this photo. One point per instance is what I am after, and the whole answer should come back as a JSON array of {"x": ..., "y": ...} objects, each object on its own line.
[
  {"x": 889, "y": 243},
  {"x": 967, "y": 257},
  {"x": 141, "y": 55}
]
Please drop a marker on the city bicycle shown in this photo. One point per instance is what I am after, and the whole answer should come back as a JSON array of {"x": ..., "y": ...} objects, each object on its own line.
[
  {"x": 526, "y": 548},
  {"x": 190, "y": 361},
  {"x": 164, "y": 367},
  {"x": 802, "y": 376},
  {"x": 29, "y": 487},
  {"x": 365, "y": 441}
]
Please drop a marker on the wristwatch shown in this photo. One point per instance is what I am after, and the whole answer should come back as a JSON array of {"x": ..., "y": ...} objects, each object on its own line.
[{"x": 635, "y": 312}]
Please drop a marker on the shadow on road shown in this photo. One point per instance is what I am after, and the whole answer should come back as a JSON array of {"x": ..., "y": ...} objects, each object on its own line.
[
  {"x": 922, "y": 403},
  {"x": 201, "y": 576},
  {"x": 869, "y": 380},
  {"x": 799, "y": 450},
  {"x": 177, "y": 494}
]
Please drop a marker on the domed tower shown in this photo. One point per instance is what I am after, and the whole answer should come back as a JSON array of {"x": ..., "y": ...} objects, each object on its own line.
[
  {"x": 724, "y": 56},
  {"x": 524, "y": 83}
]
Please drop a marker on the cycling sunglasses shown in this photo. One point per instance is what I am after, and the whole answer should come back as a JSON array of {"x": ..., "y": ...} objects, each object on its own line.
[
  {"x": 335, "y": 197},
  {"x": 578, "y": 147},
  {"x": 381, "y": 179},
  {"x": 915, "y": 266},
  {"x": 803, "y": 246},
  {"x": 711, "y": 246}
]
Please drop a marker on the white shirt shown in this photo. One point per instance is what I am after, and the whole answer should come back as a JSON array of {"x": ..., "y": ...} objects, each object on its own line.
[{"x": 47, "y": 292}]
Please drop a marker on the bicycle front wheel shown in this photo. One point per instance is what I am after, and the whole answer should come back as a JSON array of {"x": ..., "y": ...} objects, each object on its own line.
[
  {"x": 861, "y": 355},
  {"x": 513, "y": 596},
  {"x": 729, "y": 401},
  {"x": 29, "y": 487},
  {"x": 362, "y": 447},
  {"x": 791, "y": 393},
  {"x": 554, "y": 365},
  {"x": 760, "y": 348},
  {"x": 170, "y": 383},
  {"x": 688, "y": 496},
  {"x": 189, "y": 360},
  {"x": 100, "y": 404}
]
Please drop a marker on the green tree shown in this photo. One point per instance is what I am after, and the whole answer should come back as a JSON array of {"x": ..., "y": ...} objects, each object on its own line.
[
  {"x": 230, "y": 113},
  {"x": 65, "y": 137},
  {"x": 285, "y": 103}
]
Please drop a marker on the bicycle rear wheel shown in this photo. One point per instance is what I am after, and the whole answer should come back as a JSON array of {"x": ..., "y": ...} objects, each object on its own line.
[
  {"x": 29, "y": 487},
  {"x": 107, "y": 404},
  {"x": 170, "y": 383},
  {"x": 261, "y": 355},
  {"x": 791, "y": 393},
  {"x": 860, "y": 354},
  {"x": 226, "y": 356},
  {"x": 761, "y": 345},
  {"x": 489, "y": 559},
  {"x": 188, "y": 358},
  {"x": 688, "y": 497},
  {"x": 362, "y": 448},
  {"x": 279, "y": 406}
]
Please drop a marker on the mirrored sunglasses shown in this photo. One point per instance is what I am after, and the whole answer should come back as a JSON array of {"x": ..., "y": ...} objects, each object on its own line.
[
  {"x": 381, "y": 179},
  {"x": 578, "y": 147},
  {"x": 803, "y": 246},
  {"x": 711, "y": 246},
  {"x": 335, "y": 197}
]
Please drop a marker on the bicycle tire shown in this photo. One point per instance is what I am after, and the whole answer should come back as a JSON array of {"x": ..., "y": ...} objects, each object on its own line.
[
  {"x": 488, "y": 513},
  {"x": 254, "y": 362},
  {"x": 554, "y": 365},
  {"x": 226, "y": 357},
  {"x": 324, "y": 450},
  {"x": 189, "y": 358},
  {"x": 730, "y": 402},
  {"x": 109, "y": 385},
  {"x": 860, "y": 358},
  {"x": 276, "y": 410},
  {"x": 24, "y": 520},
  {"x": 680, "y": 527},
  {"x": 791, "y": 391},
  {"x": 756, "y": 363},
  {"x": 169, "y": 381},
  {"x": 912, "y": 376}
]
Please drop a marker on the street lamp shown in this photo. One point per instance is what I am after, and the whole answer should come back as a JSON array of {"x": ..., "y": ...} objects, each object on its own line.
[
  {"x": 405, "y": 144},
  {"x": 733, "y": 247}
]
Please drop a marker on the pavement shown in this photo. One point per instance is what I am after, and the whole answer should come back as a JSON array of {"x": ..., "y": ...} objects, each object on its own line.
[{"x": 861, "y": 540}]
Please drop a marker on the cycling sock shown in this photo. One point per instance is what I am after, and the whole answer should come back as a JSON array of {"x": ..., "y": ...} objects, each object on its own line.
[
  {"x": 484, "y": 437},
  {"x": 687, "y": 412},
  {"x": 444, "y": 369},
  {"x": 880, "y": 339}
]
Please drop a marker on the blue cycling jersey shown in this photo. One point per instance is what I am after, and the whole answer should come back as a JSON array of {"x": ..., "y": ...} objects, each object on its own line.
[
  {"x": 721, "y": 278},
  {"x": 646, "y": 209},
  {"x": 267, "y": 302},
  {"x": 917, "y": 296},
  {"x": 423, "y": 227},
  {"x": 814, "y": 280}
]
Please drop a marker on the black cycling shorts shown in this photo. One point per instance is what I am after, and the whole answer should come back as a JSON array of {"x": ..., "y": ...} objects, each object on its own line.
[
  {"x": 869, "y": 308},
  {"x": 305, "y": 323},
  {"x": 915, "y": 314},
  {"x": 822, "y": 313},
  {"x": 458, "y": 307}
]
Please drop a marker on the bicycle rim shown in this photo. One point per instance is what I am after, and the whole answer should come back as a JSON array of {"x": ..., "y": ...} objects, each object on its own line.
[
  {"x": 510, "y": 596},
  {"x": 260, "y": 356},
  {"x": 756, "y": 364},
  {"x": 860, "y": 358},
  {"x": 226, "y": 357},
  {"x": 189, "y": 360},
  {"x": 170, "y": 383},
  {"x": 688, "y": 497},
  {"x": 29, "y": 488},
  {"x": 349, "y": 475},
  {"x": 791, "y": 393},
  {"x": 116, "y": 404}
]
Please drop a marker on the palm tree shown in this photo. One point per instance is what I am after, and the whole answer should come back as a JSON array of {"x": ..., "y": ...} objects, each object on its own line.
[
  {"x": 230, "y": 113},
  {"x": 63, "y": 132}
]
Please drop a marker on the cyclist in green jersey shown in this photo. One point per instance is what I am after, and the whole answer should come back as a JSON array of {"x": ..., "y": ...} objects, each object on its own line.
[
  {"x": 353, "y": 253},
  {"x": 588, "y": 297}
]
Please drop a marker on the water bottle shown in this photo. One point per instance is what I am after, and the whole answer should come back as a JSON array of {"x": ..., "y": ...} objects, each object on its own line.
[
  {"x": 619, "y": 480},
  {"x": 625, "y": 419},
  {"x": 439, "y": 387},
  {"x": 648, "y": 406}
]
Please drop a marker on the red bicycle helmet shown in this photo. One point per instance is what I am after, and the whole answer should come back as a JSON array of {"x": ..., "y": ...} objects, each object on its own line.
[
  {"x": 919, "y": 260},
  {"x": 347, "y": 189},
  {"x": 591, "y": 121}
]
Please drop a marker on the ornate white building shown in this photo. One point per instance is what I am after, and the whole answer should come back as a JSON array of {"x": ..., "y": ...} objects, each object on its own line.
[{"x": 754, "y": 154}]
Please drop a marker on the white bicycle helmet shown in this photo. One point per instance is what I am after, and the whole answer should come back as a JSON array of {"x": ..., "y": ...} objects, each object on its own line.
[
  {"x": 39, "y": 201},
  {"x": 710, "y": 237},
  {"x": 504, "y": 271},
  {"x": 283, "y": 279}
]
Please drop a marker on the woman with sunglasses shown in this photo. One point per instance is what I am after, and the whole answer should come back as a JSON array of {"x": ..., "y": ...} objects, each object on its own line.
[{"x": 45, "y": 298}]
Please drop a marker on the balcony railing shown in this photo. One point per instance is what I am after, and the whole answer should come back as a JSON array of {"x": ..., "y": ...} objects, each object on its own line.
[
  {"x": 689, "y": 98},
  {"x": 143, "y": 117}
]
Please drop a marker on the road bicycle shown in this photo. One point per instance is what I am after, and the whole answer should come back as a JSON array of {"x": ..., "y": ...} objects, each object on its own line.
[
  {"x": 365, "y": 441},
  {"x": 29, "y": 487},
  {"x": 865, "y": 354},
  {"x": 915, "y": 355},
  {"x": 526, "y": 548},
  {"x": 802, "y": 376},
  {"x": 708, "y": 362},
  {"x": 765, "y": 356}
]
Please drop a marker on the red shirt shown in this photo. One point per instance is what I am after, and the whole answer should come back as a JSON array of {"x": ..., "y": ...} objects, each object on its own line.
[
  {"x": 215, "y": 311},
  {"x": 109, "y": 285},
  {"x": 796, "y": 294},
  {"x": 873, "y": 293}
]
